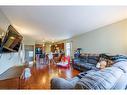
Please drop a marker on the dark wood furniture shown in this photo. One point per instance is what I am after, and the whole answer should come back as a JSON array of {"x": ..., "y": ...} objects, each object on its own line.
[{"x": 55, "y": 46}]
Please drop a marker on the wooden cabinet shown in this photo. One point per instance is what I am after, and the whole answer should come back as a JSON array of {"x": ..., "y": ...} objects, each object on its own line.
[{"x": 57, "y": 46}]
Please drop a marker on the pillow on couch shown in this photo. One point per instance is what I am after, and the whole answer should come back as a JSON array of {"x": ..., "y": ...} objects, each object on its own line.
[{"x": 122, "y": 65}]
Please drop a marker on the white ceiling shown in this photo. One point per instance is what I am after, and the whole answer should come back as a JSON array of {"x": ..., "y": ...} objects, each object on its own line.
[{"x": 61, "y": 22}]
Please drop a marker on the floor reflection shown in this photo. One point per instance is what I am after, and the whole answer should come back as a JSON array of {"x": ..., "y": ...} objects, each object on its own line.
[{"x": 43, "y": 73}]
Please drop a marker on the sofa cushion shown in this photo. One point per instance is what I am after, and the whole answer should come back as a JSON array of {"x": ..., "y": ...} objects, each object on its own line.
[
  {"x": 118, "y": 58},
  {"x": 94, "y": 57},
  {"x": 122, "y": 65},
  {"x": 83, "y": 58},
  {"x": 87, "y": 65},
  {"x": 60, "y": 83},
  {"x": 76, "y": 60},
  {"x": 92, "y": 61},
  {"x": 78, "y": 63},
  {"x": 121, "y": 83}
]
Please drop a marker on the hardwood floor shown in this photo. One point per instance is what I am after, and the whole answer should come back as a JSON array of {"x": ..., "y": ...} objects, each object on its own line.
[{"x": 40, "y": 79}]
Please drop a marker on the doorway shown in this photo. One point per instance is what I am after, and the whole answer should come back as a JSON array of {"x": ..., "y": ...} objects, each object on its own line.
[
  {"x": 68, "y": 49},
  {"x": 29, "y": 53}
]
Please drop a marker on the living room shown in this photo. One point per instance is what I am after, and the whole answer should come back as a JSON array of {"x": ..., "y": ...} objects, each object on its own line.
[{"x": 63, "y": 47}]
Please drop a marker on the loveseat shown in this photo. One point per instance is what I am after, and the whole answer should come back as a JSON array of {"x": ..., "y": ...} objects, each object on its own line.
[{"x": 113, "y": 77}]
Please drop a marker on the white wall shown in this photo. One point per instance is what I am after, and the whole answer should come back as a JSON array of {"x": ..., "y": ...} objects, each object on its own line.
[
  {"x": 109, "y": 39},
  {"x": 4, "y": 22},
  {"x": 7, "y": 60},
  {"x": 28, "y": 41}
]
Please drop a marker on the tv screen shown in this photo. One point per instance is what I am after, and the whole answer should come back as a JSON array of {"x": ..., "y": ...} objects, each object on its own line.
[{"x": 12, "y": 40}]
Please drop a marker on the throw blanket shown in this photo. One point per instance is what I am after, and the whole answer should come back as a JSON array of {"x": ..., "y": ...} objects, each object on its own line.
[{"x": 102, "y": 79}]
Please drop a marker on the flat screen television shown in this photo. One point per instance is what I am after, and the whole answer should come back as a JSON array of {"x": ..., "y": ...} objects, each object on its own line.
[{"x": 12, "y": 40}]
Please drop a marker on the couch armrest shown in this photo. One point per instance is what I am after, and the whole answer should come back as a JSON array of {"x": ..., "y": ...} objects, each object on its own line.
[{"x": 60, "y": 83}]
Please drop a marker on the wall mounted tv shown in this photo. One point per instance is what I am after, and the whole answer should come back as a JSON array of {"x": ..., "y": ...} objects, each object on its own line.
[{"x": 11, "y": 41}]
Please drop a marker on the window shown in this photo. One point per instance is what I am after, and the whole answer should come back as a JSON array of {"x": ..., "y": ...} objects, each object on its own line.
[{"x": 31, "y": 53}]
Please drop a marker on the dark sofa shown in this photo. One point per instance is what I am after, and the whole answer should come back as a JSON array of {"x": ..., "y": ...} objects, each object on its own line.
[{"x": 85, "y": 62}]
